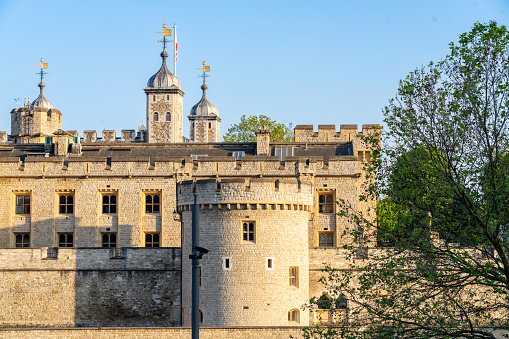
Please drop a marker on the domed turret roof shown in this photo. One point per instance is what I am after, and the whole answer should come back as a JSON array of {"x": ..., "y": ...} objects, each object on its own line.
[
  {"x": 41, "y": 101},
  {"x": 163, "y": 78},
  {"x": 204, "y": 107}
]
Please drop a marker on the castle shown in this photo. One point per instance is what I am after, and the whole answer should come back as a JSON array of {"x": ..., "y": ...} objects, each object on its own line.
[{"x": 97, "y": 230}]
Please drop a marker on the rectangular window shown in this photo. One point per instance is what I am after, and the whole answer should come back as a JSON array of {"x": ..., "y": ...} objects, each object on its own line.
[
  {"x": 326, "y": 202},
  {"x": 294, "y": 276},
  {"x": 109, "y": 240},
  {"x": 65, "y": 240},
  {"x": 248, "y": 231},
  {"x": 23, "y": 204},
  {"x": 152, "y": 240},
  {"x": 326, "y": 239},
  {"x": 227, "y": 264},
  {"x": 109, "y": 202},
  {"x": 269, "y": 263},
  {"x": 66, "y": 204},
  {"x": 22, "y": 239},
  {"x": 152, "y": 203}
]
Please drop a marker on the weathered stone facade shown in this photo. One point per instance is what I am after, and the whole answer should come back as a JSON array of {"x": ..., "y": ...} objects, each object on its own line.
[{"x": 96, "y": 231}]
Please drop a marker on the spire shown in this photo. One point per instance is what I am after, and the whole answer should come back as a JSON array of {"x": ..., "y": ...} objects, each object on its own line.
[
  {"x": 204, "y": 107},
  {"x": 164, "y": 78},
  {"x": 41, "y": 101},
  {"x": 205, "y": 68},
  {"x": 165, "y": 33}
]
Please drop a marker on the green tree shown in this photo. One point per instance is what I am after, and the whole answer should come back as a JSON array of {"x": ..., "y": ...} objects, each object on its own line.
[
  {"x": 244, "y": 131},
  {"x": 443, "y": 174}
]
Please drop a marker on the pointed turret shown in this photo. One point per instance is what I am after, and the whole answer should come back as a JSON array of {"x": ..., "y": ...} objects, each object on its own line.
[
  {"x": 204, "y": 118},
  {"x": 164, "y": 102},
  {"x": 37, "y": 120}
]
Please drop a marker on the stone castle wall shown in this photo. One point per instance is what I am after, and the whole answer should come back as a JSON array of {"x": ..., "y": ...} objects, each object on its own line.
[
  {"x": 89, "y": 287},
  {"x": 174, "y": 333}
]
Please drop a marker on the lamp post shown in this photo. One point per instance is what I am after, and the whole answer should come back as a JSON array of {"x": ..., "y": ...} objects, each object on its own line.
[{"x": 197, "y": 254}]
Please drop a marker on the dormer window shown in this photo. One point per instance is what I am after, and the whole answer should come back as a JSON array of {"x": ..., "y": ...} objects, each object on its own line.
[
  {"x": 168, "y": 116},
  {"x": 156, "y": 116}
]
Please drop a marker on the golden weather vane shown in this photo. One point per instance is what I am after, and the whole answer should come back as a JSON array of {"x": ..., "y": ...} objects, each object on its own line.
[
  {"x": 205, "y": 68},
  {"x": 43, "y": 65},
  {"x": 165, "y": 33}
]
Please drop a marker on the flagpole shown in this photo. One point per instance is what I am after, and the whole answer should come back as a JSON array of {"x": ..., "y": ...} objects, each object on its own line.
[{"x": 175, "y": 50}]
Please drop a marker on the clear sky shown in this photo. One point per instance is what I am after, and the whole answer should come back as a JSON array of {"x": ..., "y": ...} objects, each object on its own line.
[{"x": 300, "y": 62}]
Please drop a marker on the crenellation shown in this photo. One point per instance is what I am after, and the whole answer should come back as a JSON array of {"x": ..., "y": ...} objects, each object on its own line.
[{"x": 89, "y": 136}]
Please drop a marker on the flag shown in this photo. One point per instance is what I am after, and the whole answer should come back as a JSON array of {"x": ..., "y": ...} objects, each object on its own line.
[{"x": 175, "y": 50}]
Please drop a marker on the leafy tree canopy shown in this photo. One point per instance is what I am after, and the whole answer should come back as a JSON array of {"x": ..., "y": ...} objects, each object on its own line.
[
  {"x": 441, "y": 180},
  {"x": 245, "y": 130}
]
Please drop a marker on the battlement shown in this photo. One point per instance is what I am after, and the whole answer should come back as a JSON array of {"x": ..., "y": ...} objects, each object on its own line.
[
  {"x": 327, "y": 133},
  {"x": 109, "y": 136},
  {"x": 247, "y": 194}
]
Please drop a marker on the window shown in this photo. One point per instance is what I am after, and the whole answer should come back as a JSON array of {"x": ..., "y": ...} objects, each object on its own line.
[
  {"x": 168, "y": 116},
  {"x": 65, "y": 240},
  {"x": 325, "y": 303},
  {"x": 22, "y": 239},
  {"x": 325, "y": 202},
  {"x": 23, "y": 204},
  {"x": 201, "y": 316},
  {"x": 326, "y": 239},
  {"x": 167, "y": 97},
  {"x": 227, "y": 263},
  {"x": 248, "y": 231},
  {"x": 156, "y": 116},
  {"x": 210, "y": 125},
  {"x": 109, "y": 204},
  {"x": 154, "y": 99},
  {"x": 109, "y": 240},
  {"x": 294, "y": 276},
  {"x": 66, "y": 204},
  {"x": 152, "y": 203},
  {"x": 152, "y": 240},
  {"x": 269, "y": 263},
  {"x": 294, "y": 315}
]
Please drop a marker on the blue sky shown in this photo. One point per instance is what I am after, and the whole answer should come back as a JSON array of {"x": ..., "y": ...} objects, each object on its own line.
[{"x": 300, "y": 62}]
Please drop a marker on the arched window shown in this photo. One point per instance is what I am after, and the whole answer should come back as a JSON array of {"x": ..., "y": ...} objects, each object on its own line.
[
  {"x": 294, "y": 316},
  {"x": 156, "y": 116},
  {"x": 168, "y": 116},
  {"x": 201, "y": 317}
]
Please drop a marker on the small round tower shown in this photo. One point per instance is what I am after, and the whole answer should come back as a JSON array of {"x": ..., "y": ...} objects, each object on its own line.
[
  {"x": 204, "y": 117},
  {"x": 257, "y": 270}
]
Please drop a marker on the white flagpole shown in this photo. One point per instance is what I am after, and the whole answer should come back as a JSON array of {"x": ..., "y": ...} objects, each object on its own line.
[{"x": 175, "y": 50}]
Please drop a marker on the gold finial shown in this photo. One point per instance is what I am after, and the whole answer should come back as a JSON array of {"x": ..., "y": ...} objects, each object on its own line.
[
  {"x": 43, "y": 65},
  {"x": 165, "y": 33},
  {"x": 205, "y": 68}
]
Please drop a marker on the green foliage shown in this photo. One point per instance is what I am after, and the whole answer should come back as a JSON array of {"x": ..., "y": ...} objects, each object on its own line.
[
  {"x": 244, "y": 131},
  {"x": 441, "y": 182}
]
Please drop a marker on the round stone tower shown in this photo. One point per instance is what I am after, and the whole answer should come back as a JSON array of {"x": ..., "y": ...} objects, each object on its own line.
[{"x": 256, "y": 273}]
